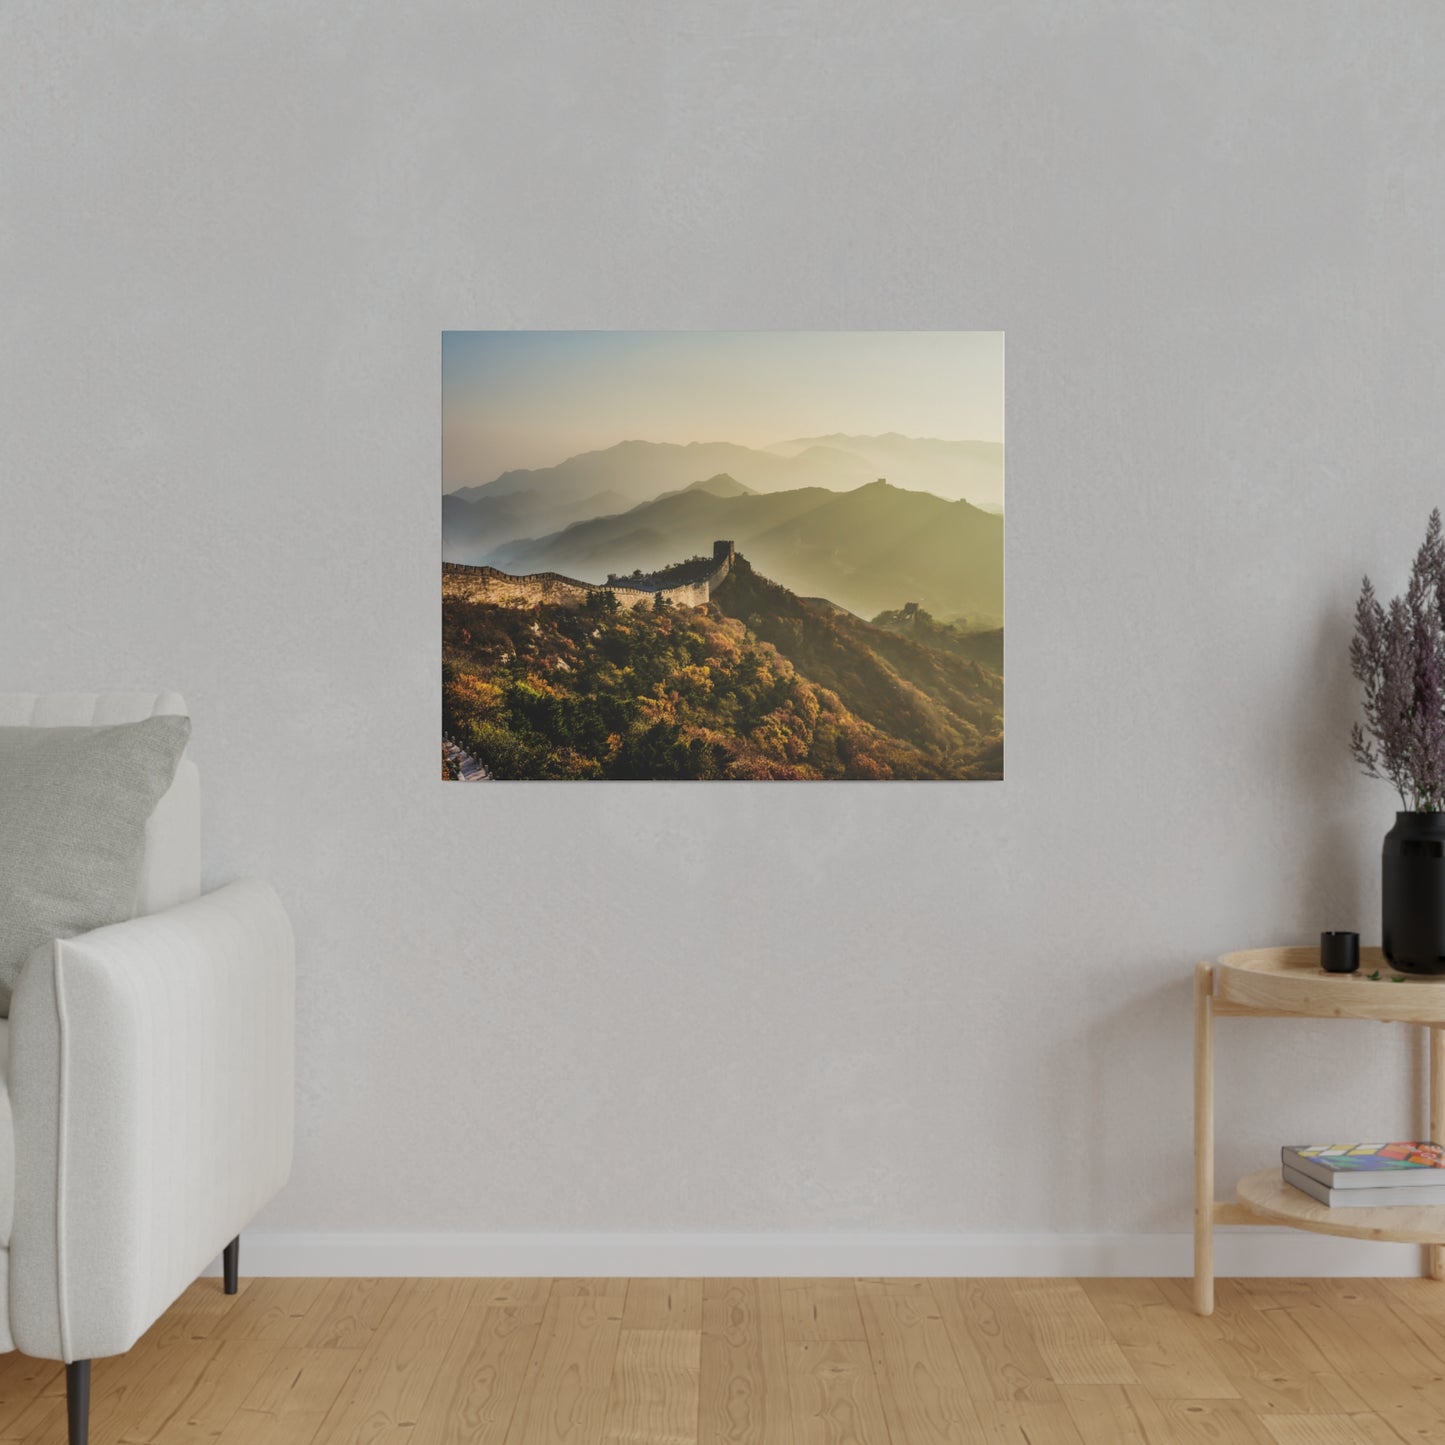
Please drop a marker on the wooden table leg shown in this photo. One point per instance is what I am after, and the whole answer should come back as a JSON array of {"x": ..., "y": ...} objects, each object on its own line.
[
  {"x": 1204, "y": 1138},
  {"x": 1435, "y": 1253}
]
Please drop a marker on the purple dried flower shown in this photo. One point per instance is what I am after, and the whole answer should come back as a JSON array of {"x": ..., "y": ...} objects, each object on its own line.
[{"x": 1398, "y": 654}]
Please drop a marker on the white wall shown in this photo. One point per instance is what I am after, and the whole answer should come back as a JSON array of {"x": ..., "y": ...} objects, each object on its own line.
[{"x": 231, "y": 237}]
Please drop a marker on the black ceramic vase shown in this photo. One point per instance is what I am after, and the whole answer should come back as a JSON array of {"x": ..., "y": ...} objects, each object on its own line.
[{"x": 1414, "y": 893}]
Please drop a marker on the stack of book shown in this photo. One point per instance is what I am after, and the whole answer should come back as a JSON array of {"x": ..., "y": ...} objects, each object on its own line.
[{"x": 1367, "y": 1176}]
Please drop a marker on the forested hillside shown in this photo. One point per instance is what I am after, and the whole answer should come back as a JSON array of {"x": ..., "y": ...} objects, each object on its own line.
[
  {"x": 983, "y": 644},
  {"x": 760, "y": 684}
]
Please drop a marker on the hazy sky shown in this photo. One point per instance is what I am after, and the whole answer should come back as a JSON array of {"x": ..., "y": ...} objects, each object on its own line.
[{"x": 533, "y": 398}]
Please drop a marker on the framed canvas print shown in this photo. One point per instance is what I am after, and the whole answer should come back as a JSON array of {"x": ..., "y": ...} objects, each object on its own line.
[{"x": 722, "y": 556}]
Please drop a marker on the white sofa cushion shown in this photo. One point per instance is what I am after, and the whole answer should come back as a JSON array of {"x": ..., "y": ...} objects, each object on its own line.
[
  {"x": 171, "y": 871},
  {"x": 74, "y": 804}
]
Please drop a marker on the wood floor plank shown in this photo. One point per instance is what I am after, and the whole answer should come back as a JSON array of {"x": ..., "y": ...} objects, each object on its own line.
[
  {"x": 292, "y": 1397},
  {"x": 1423, "y": 1296},
  {"x": 595, "y": 1288},
  {"x": 893, "y": 1286},
  {"x": 1027, "y": 1422},
  {"x": 177, "y": 1370},
  {"x": 654, "y": 1388},
  {"x": 570, "y": 1375},
  {"x": 1202, "y": 1422},
  {"x": 1421, "y": 1321},
  {"x": 1275, "y": 1293},
  {"x": 996, "y": 1351},
  {"x": 229, "y": 1376},
  {"x": 1330, "y": 1430},
  {"x": 1269, "y": 1376},
  {"x": 398, "y": 1367},
  {"x": 743, "y": 1371},
  {"x": 1422, "y": 1312},
  {"x": 206, "y": 1297},
  {"x": 24, "y": 1380},
  {"x": 663, "y": 1304},
  {"x": 1074, "y": 1342},
  {"x": 347, "y": 1316},
  {"x": 1414, "y": 1408},
  {"x": 1358, "y": 1351},
  {"x": 834, "y": 1395},
  {"x": 1165, "y": 1346},
  {"x": 1278, "y": 1323},
  {"x": 45, "y": 1421},
  {"x": 514, "y": 1291},
  {"x": 272, "y": 1309},
  {"x": 1106, "y": 1414},
  {"x": 475, "y": 1395},
  {"x": 821, "y": 1309},
  {"x": 1360, "y": 1306},
  {"x": 175, "y": 1326},
  {"x": 925, "y": 1397},
  {"x": 1334, "y": 1339}
]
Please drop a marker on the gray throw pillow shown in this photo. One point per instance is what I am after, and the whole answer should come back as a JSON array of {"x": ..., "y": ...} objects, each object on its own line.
[{"x": 73, "y": 809}]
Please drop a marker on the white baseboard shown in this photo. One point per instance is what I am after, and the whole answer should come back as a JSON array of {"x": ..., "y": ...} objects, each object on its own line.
[{"x": 1240, "y": 1252}]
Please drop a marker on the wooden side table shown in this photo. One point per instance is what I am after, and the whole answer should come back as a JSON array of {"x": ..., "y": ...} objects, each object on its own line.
[{"x": 1289, "y": 983}]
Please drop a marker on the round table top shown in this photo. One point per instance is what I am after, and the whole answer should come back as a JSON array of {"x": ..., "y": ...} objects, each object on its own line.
[{"x": 1291, "y": 981}]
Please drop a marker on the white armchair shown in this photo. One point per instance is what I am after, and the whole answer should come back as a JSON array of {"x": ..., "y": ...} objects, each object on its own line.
[{"x": 148, "y": 1070}]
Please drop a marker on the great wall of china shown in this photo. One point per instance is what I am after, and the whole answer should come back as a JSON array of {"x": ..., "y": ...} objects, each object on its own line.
[{"x": 684, "y": 587}]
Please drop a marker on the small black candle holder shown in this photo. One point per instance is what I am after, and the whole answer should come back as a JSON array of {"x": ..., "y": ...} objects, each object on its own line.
[{"x": 1340, "y": 952}]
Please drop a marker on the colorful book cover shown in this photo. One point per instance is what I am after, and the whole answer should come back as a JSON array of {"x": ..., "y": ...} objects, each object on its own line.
[{"x": 1366, "y": 1158}]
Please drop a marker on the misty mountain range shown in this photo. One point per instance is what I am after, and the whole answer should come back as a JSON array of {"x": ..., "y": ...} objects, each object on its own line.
[
  {"x": 956, "y": 471},
  {"x": 810, "y": 513}
]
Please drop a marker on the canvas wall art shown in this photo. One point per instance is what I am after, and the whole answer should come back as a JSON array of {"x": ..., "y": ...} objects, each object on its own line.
[{"x": 722, "y": 556}]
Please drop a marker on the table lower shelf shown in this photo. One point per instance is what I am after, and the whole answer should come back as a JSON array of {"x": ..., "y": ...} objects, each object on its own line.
[{"x": 1268, "y": 1197}]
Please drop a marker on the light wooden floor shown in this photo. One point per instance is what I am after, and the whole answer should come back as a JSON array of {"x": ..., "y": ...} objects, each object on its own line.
[{"x": 766, "y": 1362}]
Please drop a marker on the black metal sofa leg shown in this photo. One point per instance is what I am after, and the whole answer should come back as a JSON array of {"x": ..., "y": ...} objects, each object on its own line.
[
  {"x": 231, "y": 1264},
  {"x": 77, "y": 1401}
]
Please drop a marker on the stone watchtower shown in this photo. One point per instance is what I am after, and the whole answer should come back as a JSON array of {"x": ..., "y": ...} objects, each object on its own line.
[{"x": 722, "y": 552}]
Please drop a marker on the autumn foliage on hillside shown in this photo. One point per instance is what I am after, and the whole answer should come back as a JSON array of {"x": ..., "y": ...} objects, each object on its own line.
[
  {"x": 983, "y": 644},
  {"x": 760, "y": 684}
]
